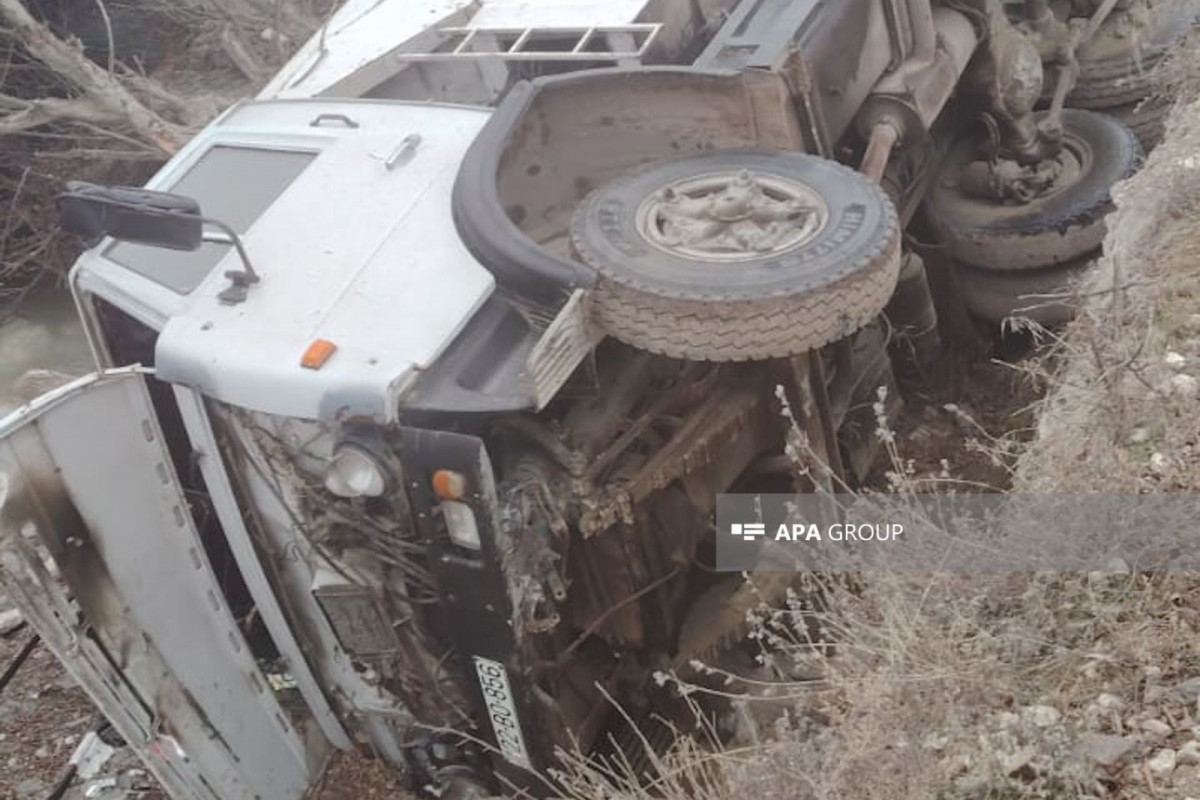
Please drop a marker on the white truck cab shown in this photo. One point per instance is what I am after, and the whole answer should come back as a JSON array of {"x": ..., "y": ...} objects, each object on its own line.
[{"x": 343, "y": 208}]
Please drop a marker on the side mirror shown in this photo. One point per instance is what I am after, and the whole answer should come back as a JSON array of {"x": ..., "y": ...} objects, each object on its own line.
[{"x": 160, "y": 219}]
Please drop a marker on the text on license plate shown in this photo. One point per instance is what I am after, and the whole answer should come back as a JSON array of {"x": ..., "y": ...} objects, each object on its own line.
[{"x": 502, "y": 711}]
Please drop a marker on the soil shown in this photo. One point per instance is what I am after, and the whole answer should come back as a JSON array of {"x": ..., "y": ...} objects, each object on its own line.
[
  {"x": 968, "y": 420},
  {"x": 43, "y": 715}
]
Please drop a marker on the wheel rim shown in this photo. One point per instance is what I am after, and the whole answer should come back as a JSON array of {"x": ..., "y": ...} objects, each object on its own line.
[
  {"x": 1073, "y": 164},
  {"x": 732, "y": 216}
]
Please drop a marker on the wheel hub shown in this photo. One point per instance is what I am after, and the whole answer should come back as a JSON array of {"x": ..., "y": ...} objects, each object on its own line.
[
  {"x": 731, "y": 216},
  {"x": 1007, "y": 181}
]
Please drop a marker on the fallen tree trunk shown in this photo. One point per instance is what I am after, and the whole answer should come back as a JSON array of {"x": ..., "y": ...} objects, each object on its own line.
[{"x": 102, "y": 98}]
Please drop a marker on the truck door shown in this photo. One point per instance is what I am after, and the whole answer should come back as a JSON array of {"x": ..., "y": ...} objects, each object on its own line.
[{"x": 100, "y": 552}]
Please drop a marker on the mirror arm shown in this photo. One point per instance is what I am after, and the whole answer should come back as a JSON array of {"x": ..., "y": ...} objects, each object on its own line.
[{"x": 240, "y": 281}]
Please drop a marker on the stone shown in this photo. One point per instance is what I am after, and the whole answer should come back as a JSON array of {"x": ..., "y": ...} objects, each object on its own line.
[
  {"x": 1042, "y": 716},
  {"x": 935, "y": 742},
  {"x": 1159, "y": 463},
  {"x": 1175, "y": 361},
  {"x": 1007, "y": 720},
  {"x": 1019, "y": 761},
  {"x": 959, "y": 764},
  {"x": 9, "y": 621},
  {"x": 1162, "y": 763},
  {"x": 1117, "y": 565},
  {"x": 1109, "y": 702},
  {"x": 1156, "y": 728},
  {"x": 1139, "y": 435},
  {"x": 1108, "y": 750},
  {"x": 1189, "y": 753},
  {"x": 1189, "y": 690}
]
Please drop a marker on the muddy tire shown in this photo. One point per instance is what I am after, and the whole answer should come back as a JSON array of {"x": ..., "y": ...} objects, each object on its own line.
[
  {"x": 1120, "y": 70},
  {"x": 738, "y": 255},
  {"x": 1147, "y": 119},
  {"x": 1045, "y": 295},
  {"x": 1059, "y": 227}
]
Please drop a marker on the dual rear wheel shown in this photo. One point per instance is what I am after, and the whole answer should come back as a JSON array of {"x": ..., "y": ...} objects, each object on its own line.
[{"x": 1026, "y": 259}]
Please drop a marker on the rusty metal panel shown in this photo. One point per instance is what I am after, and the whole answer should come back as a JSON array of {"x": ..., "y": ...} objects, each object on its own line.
[{"x": 98, "y": 549}]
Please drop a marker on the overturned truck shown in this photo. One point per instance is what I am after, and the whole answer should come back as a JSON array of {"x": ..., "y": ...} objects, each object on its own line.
[{"x": 420, "y": 373}]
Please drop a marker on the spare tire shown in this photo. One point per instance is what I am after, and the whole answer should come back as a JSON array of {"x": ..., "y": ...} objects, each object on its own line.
[
  {"x": 738, "y": 255},
  {"x": 1064, "y": 223}
]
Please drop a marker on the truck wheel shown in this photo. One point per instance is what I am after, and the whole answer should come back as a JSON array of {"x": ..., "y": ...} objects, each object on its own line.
[
  {"x": 1120, "y": 66},
  {"x": 1063, "y": 223},
  {"x": 738, "y": 255},
  {"x": 1042, "y": 295}
]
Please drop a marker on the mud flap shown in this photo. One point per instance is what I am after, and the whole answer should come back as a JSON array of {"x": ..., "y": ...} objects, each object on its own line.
[{"x": 100, "y": 553}]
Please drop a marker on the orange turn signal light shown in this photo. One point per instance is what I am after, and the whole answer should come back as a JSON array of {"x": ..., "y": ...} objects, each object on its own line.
[
  {"x": 448, "y": 484},
  {"x": 317, "y": 354}
]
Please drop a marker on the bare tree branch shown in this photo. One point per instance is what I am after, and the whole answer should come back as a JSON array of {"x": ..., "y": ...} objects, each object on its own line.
[
  {"x": 243, "y": 57},
  {"x": 195, "y": 110},
  {"x": 28, "y": 114},
  {"x": 103, "y": 95}
]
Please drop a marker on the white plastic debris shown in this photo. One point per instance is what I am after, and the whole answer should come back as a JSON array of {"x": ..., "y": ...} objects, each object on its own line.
[
  {"x": 1162, "y": 763},
  {"x": 91, "y": 755}
]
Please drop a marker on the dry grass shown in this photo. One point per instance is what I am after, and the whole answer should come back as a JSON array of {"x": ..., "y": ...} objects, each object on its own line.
[{"x": 950, "y": 686}]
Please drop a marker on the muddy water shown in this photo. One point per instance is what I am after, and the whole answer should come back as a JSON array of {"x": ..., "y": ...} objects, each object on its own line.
[{"x": 45, "y": 334}]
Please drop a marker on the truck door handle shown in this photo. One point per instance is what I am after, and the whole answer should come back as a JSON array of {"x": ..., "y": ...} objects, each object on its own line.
[
  {"x": 342, "y": 118},
  {"x": 403, "y": 152}
]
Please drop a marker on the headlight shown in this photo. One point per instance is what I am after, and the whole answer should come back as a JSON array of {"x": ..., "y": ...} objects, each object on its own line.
[
  {"x": 354, "y": 472},
  {"x": 461, "y": 525}
]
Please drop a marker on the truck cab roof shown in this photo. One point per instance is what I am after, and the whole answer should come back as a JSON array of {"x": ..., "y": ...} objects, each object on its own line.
[{"x": 344, "y": 210}]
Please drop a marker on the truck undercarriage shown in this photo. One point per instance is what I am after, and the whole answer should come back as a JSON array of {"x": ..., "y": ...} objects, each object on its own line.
[{"x": 476, "y": 558}]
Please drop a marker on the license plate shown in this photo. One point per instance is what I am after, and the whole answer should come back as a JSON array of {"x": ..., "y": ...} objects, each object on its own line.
[{"x": 502, "y": 711}]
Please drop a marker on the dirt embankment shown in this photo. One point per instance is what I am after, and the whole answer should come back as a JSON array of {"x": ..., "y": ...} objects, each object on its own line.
[{"x": 1123, "y": 417}]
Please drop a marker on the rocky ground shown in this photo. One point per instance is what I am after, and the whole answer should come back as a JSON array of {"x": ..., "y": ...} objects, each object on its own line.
[{"x": 43, "y": 716}]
